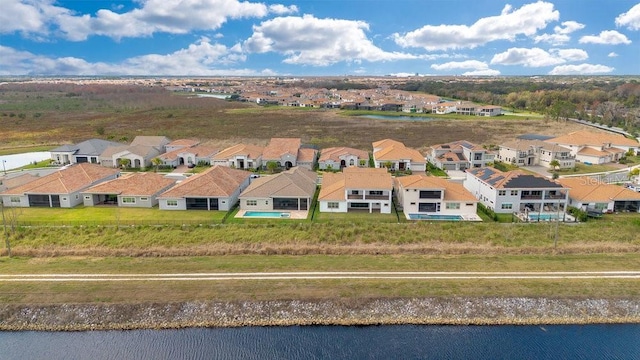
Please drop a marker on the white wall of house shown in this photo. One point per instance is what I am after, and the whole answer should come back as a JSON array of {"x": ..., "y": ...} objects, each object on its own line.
[
  {"x": 138, "y": 201},
  {"x": 329, "y": 206},
  {"x": 172, "y": 204},
  {"x": 593, "y": 159},
  {"x": 15, "y": 200},
  {"x": 604, "y": 207},
  {"x": 261, "y": 204},
  {"x": 484, "y": 193},
  {"x": 70, "y": 200}
]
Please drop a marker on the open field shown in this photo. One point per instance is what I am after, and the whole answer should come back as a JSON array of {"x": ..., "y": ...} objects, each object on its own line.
[{"x": 48, "y": 116}]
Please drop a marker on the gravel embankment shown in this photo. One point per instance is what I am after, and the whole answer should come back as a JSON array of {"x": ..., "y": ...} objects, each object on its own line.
[{"x": 455, "y": 311}]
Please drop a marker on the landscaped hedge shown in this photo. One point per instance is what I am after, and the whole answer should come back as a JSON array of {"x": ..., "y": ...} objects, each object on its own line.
[{"x": 490, "y": 213}]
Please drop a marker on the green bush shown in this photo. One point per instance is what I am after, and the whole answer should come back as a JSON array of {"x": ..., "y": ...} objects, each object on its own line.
[
  {"x": 490, "y": 213},
  {"x": 579, "y": 214}
]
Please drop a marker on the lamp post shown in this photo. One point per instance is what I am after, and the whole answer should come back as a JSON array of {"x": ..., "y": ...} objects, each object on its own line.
[{"x": 4, "y": 168}]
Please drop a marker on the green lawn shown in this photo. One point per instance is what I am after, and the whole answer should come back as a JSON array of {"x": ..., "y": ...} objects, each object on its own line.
[
  {"x": 98, "y": 215},
  {"x": 582, "y": 168}
]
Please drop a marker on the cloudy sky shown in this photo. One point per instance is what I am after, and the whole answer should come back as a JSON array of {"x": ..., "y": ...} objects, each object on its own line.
[{"x": 319, "y": 37}]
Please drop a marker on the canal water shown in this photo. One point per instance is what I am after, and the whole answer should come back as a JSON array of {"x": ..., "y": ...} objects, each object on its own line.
[{"x": 333, "y": 342}]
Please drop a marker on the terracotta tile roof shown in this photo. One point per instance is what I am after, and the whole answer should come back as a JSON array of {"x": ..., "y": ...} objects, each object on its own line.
[
  {"x": 281, "y": 146},
  {"x": 200, "y": 151},
  {"x": 251, "y": 151},
  {"x": 65, "y": 181},
  {"x": 171, "y": 155},
  {"x": 307, "y": 155},
  {"x": 22, "y": 179},
  {"x": 586, "y": 189},
  {"x": 591, "y": 152},
  {"x": 391, "y": 150},
  {"x": 184, "y": 142},
  {"x": 133, "y": 184},
  {"x": 452, "y": 191},
  {"x": 525, "y": 145},
  {"x": 217, "y": 181},
  {"x": 108, "y": 152},
  {"x": 295, "y": 182},
  {"x": 584, "y": 137},
  {"x": 157, "y": 141},
  {"x": 335, "y": 184},
  {"x": 334, "y": 153}
]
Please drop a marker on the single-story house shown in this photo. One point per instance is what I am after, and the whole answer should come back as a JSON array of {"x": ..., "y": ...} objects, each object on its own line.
[
  {"x": 181, "y": 144},
  {"x": 240, "y": 156},
  {"x": 200, "y": 154},
  {"x": 289, "y": 190},
  {"x": 590, "y": 194},
  {"x": 422, "y": 194},
  {"x": 353, "y": 189},
  {"x": 307, "y": 158},
  {"x": 216, "y": 188},
  {"x": 283, "y": 151},
  {"x": 62, "y": 188},
  {"x": 596, "y": 147},
  {"x": 86, "y": 151},
  {"x": 394, "y": 155},
  {"x": 340, "y": 157},
  {"x": 130, "y": 190}
]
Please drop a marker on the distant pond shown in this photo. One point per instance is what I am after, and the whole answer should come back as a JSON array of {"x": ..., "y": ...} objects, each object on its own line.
[
  {"x": 8, "y": 162},
  {"x": 399, "y": 118}
]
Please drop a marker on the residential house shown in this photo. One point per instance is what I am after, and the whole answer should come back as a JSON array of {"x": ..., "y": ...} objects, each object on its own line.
[
  {"x": 86, "y": 151},
  {"x": 62, "y": 188},
  {"x": 283, "y": 151},
  {"x": 431, "y": 195},
  {"x": 395, "y": 156},
  {"x": 307, "y": 158},
  {"x": 181, "y": 144},
  {"x": 489, "y": 110},
  {"x": 130, "y": 190},
  {"x": 341, "y": 157},
  {"x": 240, "y": 156},
  {"x": 200, "y": 154},
  {"x": 590, "y": 194},
  {"x": 596, "y": 147},
  {"x": 536, "y": 153},
  {"x": 139, "y": 154},
  {"x": 13, "y": 180},
  {"x": 516, "y": 191},
  {"x": 216, "y": 188},
  {"x": 289, "y": 190},
  {"x": 353, "y": 189},
  {"x": 459, "y": 155}
]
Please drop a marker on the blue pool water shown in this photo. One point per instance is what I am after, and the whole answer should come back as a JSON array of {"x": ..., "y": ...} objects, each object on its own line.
[
  {"x": 539, "y": 217},
  {"x": 435, "y": 217},
  {"x": 267, "y": 214}
]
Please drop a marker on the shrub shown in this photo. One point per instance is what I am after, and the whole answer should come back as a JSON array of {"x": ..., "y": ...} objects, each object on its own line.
[
  {"x": 579, "y": 214},
  {"x": 490, "y": 213}
]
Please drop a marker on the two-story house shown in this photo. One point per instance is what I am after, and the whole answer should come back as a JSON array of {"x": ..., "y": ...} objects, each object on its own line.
[
  {"x": 459, "y": 155},
  {"x": 357, "y": 189},
  {"x": 535, "y": 152},
  {"x": 516, "y": 191}
]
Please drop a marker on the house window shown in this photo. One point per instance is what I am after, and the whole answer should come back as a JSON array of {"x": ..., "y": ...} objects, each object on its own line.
[
  {"x": 502, "y": 192},
  {"x": 15, "y": 199},
  {"x": 375, "y": 192},
  {"x": 77, "y": 196},
  {"x": 128, "y": 200},
  {"x": 87, "y": 197},
  {"x": 452, "y": 206},
  {"x": 252, "y": 202},
  {"x": 144, "y": 199},
  {"x": 172, "y": 202},
  {"x": 514, "y": 192},
  {"x": 413, "y": 203},
  {"x": 333, "y": 205},
  {"x": 468, "y": 204},
  {"x": 507, "y": 206}
]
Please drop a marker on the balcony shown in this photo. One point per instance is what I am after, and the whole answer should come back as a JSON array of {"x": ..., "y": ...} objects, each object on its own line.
[
  {"x": 376, "y": 197},
  {"x": 355, "y": 197},
  {"x": 531, "y": 197},
  {"x": 555, "y": 196}
]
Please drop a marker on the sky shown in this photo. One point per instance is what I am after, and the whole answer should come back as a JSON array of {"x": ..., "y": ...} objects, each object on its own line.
[{"x": 319, "y": 37}]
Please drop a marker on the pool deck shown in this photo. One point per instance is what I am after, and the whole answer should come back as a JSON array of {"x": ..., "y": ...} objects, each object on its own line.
[
  {"x": 546, "y": 217},
  {"x": 293, "y": 214},
  {"x": 465, "y": 217}
]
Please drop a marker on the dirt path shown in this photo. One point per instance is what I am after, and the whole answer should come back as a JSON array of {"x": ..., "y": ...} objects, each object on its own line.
[{"x": 320, "y": 276}]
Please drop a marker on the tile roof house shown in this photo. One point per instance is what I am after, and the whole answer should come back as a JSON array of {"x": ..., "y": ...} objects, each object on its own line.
[
  {"x": 341, "y": 157},
  {"x": 181, "y": 144},
  {"x": 459, "y": 155},
  {"x": 536, "y": 153},
  {"x": 283, "y": 151},
  {"x": 139, "y": 153},
  {"x": 307, "y": 158},
  {"x": 130, "y": 190},
  {"x": 516, "y": 191},
  {"x": 590, "y": 194},
  {"x": 86, "y": 151},
  {"x": 293, "y": 189},
  {"x": 368, "y": 189},
  {"x": 397, "y": 156},
  {"x": 216, "y": 188},
  {"x": 199, "y": 154},
  {"x": 240, "y": 156},
  {"x": 596, "y": 147},
  {"x": 422, "y": 194},
  {"x": 59, "y": 189}
]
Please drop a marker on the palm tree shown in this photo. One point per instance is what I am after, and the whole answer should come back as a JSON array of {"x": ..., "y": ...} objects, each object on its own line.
[
  {"x": 555, "y": 165},
  {"x": 156, "y": 163},
  {"x": 124, "y": 163}
]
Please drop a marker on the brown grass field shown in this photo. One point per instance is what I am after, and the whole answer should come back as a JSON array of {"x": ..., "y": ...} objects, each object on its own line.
[{"x": 48, "y": 115}]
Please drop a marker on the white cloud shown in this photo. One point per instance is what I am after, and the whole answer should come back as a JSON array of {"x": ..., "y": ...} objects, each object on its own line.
[
  {"x": 200, "y": 58},
  {"x": 612, "y": 54},
  {"x": 609, "y": 37},
  {"x": 526, "y": 20},
  {"x": 319, "y": 42},
  {"x": 468, "y": 64},
  {"x": 630, "y": 19},
  {"x": 570, "y": 54},
  {"x": 534, "y": 57},
  {"x": 485, "y": 72},
  {"x": 561, "y": 33},
  {"x": 280, "y": 9},
  {"x": 581, "y": 69},
  {"x": 152, "y": 16}
]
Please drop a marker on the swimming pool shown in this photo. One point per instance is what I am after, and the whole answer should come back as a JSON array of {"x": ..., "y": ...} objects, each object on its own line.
[
  {"x": 267, "y": 214},
  {"x": 435, "y": 217},
  {"x": 542, "y": 217}
]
